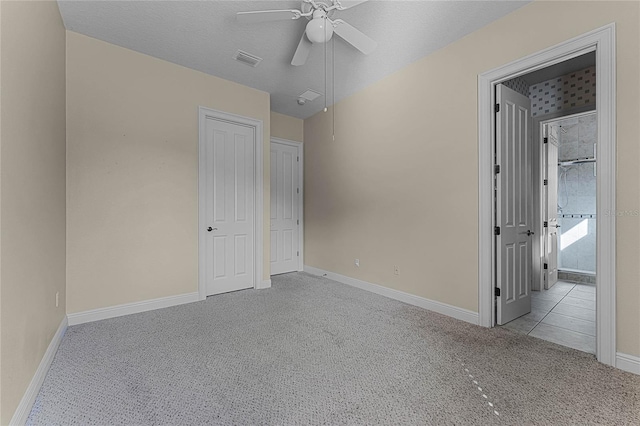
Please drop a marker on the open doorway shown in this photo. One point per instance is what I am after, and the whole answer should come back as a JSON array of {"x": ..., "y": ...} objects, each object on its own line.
[
  {"x": 563, "y": 307},
  {"x": 491, "y": 284},
  {"x": 570, "y": 199}
]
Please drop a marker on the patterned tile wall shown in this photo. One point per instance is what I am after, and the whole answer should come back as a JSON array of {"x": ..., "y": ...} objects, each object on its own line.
[
  {"x": 564, "y": 93},
  {"x": 519, "y": 85}
]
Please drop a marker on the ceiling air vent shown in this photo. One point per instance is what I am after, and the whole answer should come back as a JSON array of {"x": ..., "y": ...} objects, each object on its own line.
[
  {"x": 310, "y": 95},
  {"x": 247, "y": 58}
]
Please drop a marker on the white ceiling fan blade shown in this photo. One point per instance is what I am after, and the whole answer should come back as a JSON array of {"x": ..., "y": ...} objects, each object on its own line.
[
  {"x": 302, "y": 52},
  {"x": 348, "y": 4},
  {"x": 355, "y": 37},
  {"x": 267, "y": 16}
]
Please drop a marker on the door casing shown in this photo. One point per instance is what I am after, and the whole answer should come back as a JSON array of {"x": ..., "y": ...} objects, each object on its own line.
[
  {"x": 203, "y": 115},
  {"x": 602, "y": 41},
  {"x": 300, "y": 147},
  {"x": 550, "y": 161}
]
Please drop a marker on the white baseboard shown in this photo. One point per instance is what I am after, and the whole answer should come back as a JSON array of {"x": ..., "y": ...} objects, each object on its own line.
[
  {"x": 24, "y": 407},
  {"x": 431, "y": 305},
  {"x": 628, "y": 363},
  {"x": 131, "y": 308},
  {"x": 264, "y": 284}
]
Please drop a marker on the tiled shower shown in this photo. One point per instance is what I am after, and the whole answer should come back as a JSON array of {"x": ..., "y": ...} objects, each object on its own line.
[{"x": 577, "y": 194}]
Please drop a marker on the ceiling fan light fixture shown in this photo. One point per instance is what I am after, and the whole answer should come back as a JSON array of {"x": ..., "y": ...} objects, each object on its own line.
[{"x": 319, "y": 30}]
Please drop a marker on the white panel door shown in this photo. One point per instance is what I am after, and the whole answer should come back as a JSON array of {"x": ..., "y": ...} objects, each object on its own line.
[
  {"x": 285, "y": 217},
  {"x": 551, "y": 209},
  {"x": 514, "y": 205},
  {"x": 229, "y": 211}
]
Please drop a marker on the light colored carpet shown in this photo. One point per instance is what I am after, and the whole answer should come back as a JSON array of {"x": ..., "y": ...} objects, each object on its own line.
[{"x": 313, "y": 351}]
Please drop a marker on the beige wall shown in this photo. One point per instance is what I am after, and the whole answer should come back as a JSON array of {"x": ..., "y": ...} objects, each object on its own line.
[
  {"x": 32, "y": 190},
  {"x": 286, "y": 127},
  {"x": 132, "y": 173},
  {"x": 399, "y": 184}
]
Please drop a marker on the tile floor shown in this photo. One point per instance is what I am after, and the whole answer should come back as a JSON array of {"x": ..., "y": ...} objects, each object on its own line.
[{"x": 565, "y": 314}]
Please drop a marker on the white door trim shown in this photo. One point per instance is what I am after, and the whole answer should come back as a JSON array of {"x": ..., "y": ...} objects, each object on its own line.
[
  {"x": 602, "y": 40},
  {"x": 300, "y": 147},
  {"x": 538, "y": 148},
  {"x": 208, "y": 113}
]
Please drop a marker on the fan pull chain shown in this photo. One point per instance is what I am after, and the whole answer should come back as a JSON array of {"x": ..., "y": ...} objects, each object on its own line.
[
  {"x": 333, "y": 83},
  {"x": 325, "y": 64}
]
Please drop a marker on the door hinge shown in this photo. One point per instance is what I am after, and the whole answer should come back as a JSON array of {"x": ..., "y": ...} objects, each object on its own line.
[
  {"x": 545, "y": 224},
  {"x": 546, "y": 266},
  {"x": 545, "y": 140},
  {"x": 497, "y": 108},
  {"x": 545, "y": 182},
  {"x": 297, "y": 158},
  {"x": 497, "y": 291},
  {"x": 297, "y": 253},
  {"x": 496, "y": 230},
  {"x": 496, "y": 169},
  {"x": 298, "y": 222},
  {"x": 297, "y": 190}
]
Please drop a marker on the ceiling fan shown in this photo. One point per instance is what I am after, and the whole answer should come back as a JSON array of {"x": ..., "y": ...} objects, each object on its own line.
[{"x": 320, "y": 28}]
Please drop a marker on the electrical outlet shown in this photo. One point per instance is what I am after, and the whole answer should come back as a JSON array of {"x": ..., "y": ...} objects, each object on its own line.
[
  {"x": 396, "y": 270},
  {"x": 357, "y": 262},
  {"x": 57, "y": 299}
]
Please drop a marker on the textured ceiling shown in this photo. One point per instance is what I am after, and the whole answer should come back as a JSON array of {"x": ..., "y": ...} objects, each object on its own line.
[{"x": 204, "y": 35}]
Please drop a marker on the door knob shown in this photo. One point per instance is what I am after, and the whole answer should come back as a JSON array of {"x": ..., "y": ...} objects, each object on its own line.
[
  {"x": 557, "y": 226},
  {"x": 211, "y": 229},
  {"x": 529, "y": 232}
]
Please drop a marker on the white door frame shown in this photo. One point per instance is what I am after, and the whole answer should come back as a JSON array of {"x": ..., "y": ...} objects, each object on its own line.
[
  {"x": 602, "y": 40},
  {"x": 203, "y": 115},
  {"x": 300, "y": 147},
  {"x": 538, "y": 123},
  {"x": 538, "y": 172}
]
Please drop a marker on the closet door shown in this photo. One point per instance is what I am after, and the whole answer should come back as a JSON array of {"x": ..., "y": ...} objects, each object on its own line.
[
  {"x": 285, "y": 202},
  {"x": 230, "y": 204}
]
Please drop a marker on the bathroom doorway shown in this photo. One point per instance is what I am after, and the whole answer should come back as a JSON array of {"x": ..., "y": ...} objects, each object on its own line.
[
  {"x": 570, "y": 197},
  {"x": 564, "y": 307},
  {"x": 563, "y": 233},
  {"x": 602, "y": 42}
]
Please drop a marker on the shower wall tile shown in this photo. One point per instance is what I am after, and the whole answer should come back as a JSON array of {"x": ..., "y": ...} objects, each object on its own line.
[
  {"x": 577, "y": 194},
  {"x": 580, "y": 255},
  {"x": 588, "y": 124},
  {"x": 587, "y": 262},
  {"x": 569, "y": 131},
  {"x": 570, "y": 151},
  {"x": 564, "y": 93}
]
